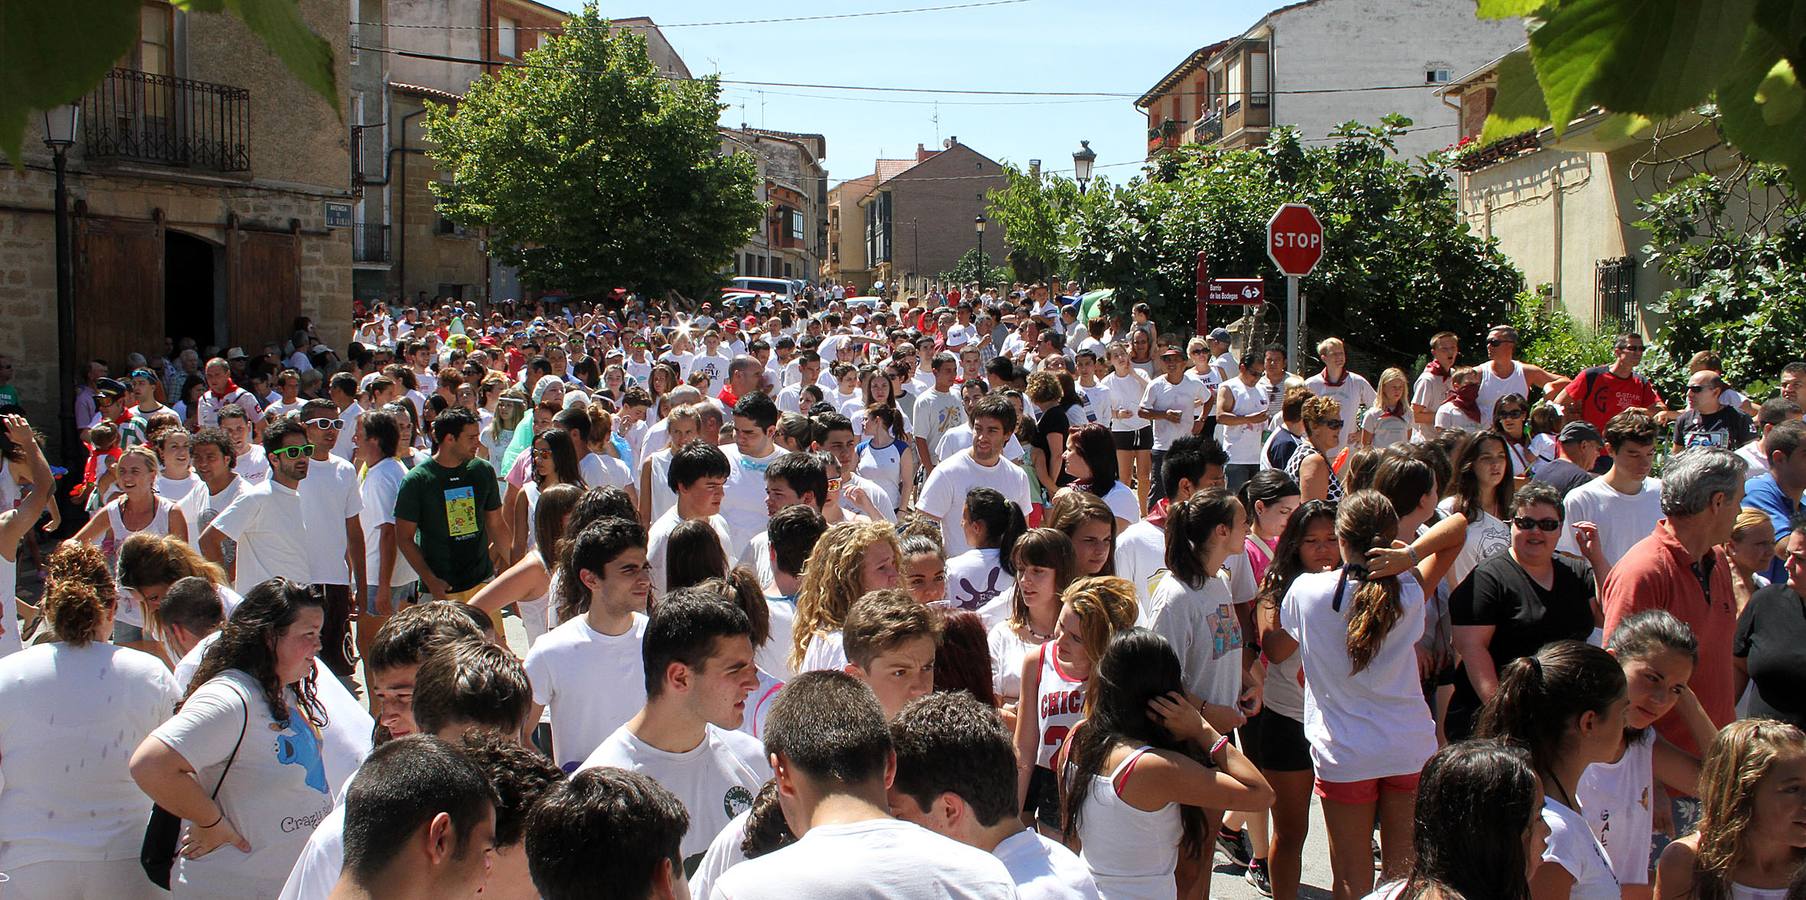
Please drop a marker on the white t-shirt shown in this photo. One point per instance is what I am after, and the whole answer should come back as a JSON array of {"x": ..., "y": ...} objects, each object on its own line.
[
  {"x": 944, "y": 493},
  {"x": 70, "y": 718},
  {"x": 976, "y": 577},
  {"x": 1125, "y": 396},
  {"x": 743, "y": 497},
  {"x": 1008, "y": 649},
  {"x": 660, "y": 536},
  {"x": 1429, "y": 392},
  {"x": 1623, "y": 519},
  {"x": 592, "y": 683},
  {"x": 1487, "y": 536},
  {"x": 827, "y": 650},
  {"x": 381, "y": 483},
  {"x": 1141, "y": 558},
  {"x": 715, "y": 366},
  {"x": 1573, "y": 847},
  {"x": 1450, "y": 416},
  {"x": 321, "y": 861},
  {"x": 253, "y": 465},
  {"x": 1361, "y": 725},
  {"x": 345, "y": 445},
  {"x": 329, "y": 495},
  {"x": 1123, "y": 503},
  {"x": 1354, "y": 392},
  {"x": 774, "y": 655},
  {"x": 935, "y": 412},
  {"x": 1243, "y": 442},
  {"x": 1202, "y": 627},
  {"x": 1043, "y": 869},
  {"x": 1184, "y": 398},
  {"x": 1614, "y": 799},
  {"x": 276, "y": 793},
  {"x": 959, "y": 437},
  {"x": 877, "y": 859},
  {"x": 724, "y": 853},
  {"x": 716, "y": 779},
  {"x": 604, "y": 471},
  {"x": 266, "y": 520}
]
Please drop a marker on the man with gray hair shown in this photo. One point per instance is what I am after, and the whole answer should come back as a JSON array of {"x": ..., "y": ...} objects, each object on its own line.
[{"x": 1682, "y": 567}]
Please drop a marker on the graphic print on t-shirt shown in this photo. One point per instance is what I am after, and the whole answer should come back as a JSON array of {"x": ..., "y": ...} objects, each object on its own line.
[
  {"x": 461, "y": 511},
  {"x": 736, "y": 801},
  {"x": 1225, "y": 632},
  {"x": 297, "y": 744},
  {"x": 969, "y": 596}
]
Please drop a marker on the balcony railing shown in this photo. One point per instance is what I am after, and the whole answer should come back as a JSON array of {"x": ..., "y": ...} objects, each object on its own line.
[
  {"x": 1207, "y": 130},
  {"x": 168, "y": 121},
  {"x": 370, "y": 243}
]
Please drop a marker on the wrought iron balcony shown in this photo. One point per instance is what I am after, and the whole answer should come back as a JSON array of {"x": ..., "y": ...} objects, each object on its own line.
[
  {"x": 168, "y": 121},
  {"x": 370, "y": 243},
  {"x": 1207, "y": 130}
]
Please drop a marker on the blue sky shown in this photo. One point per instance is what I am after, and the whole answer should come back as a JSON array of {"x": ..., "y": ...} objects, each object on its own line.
[{"x": 1033, "y": 45}]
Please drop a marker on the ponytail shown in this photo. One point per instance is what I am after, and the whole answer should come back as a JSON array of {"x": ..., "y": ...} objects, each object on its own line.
[
  {"x": 1367, "y": 520},
  {"x": 1002, "y": 521},
  {"x": 1189, "y": 527},
  {"x": 1539, "y": 697},
  {"x": 75, "y": 610}
]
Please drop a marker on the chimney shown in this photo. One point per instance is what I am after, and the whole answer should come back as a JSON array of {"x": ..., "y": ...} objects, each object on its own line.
[{"x": 949, "y": 142}]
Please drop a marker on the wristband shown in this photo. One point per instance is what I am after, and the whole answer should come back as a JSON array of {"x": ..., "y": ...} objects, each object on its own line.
[
  {"x": 1220, "y": 744},
  {"x": 1412, "y": 549},
  {"x": 222, "y": 815}
]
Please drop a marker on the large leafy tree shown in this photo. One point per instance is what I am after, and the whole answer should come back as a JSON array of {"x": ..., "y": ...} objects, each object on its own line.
[
  {"x": 1398, "y": 265},
  {"x": 1648, "y": 60},
  {"x": 592, "y": 171},
  {"x": 53, "y": 53},
  {"x": 1035, "y": 210}
]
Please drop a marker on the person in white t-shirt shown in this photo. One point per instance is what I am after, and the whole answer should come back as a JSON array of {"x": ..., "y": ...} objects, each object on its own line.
[
  {"x": 699, "y": 655},
  {"x": 1622, "y": 506},
  {"x": 832, "y": 752},
  {"x": 936, "y": 410},
  {"x": 944, "y": 492},
  {"x": 743, "y": 495},
  {"x": 332, "y": 505},
  {"x": 955, "y": 766},
  {"x": 266, "y": 519},
  {"x": 640, "y": 822},
  {"x": 698, "y": 476},
  {"x": 71, "y": 818},
  {"x": 1197, "y": 464},
  {"x": 1432, "y": 386},
  {"x": 681, "y": 426},
  {"x": 418, "y": 792},
  {"x": 711, "y": 361},
  {"x": 391, "y": 582},
  {"x": 1349, "y": 388},
  {"x": 1194, "y": 608},
  {"x": 588, "y": 670},
  {"x": 1172, "y": 402}
]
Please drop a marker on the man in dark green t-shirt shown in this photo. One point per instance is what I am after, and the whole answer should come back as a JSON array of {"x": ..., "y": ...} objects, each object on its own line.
[{"x": 448, "y": 512}]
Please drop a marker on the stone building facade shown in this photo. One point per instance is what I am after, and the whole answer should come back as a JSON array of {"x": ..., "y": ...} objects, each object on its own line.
[{"x": 209, "y": 195}]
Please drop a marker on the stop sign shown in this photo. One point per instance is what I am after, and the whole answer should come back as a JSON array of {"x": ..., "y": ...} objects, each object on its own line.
[{"x": 1295, "y": 239}]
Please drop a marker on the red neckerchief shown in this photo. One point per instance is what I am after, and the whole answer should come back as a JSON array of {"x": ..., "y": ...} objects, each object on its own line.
[
  {"x": 1335, "y": 384},
  {"x": 1157, "y": 515},
  {"x": 230, "y": 388},
  {"x": 1436, "y": 369},
  {"x": 1466, "y": 398}
]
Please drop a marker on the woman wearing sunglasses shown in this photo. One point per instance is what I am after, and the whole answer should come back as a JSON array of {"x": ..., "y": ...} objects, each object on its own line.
[
  {"x": 1510, "y": 414},
  {"x": 1512, "y": 604},
  {"x": 1310, "y": 465}
]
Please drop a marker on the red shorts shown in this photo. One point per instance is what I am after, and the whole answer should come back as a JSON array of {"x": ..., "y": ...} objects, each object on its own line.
[{"x": 1368, "y": 791}]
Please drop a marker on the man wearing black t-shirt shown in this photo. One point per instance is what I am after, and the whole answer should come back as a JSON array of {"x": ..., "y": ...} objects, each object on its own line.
[{"x": 1707, "y": 422}]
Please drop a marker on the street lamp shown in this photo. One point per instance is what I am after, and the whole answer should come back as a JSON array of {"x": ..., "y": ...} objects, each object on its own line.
[
  {"x": 1082, "y": 160},
  {"x": 59, "y": 135},
  {"x": 984, "y": 262}
]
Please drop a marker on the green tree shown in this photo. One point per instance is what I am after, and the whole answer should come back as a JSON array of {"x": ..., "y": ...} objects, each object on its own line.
[
  {"x": 1398, "y": 265},
  {"x": 1738, "y": 243},
  {"x": 973, "y": 268},
  {"x": 1038, "y": 213},
  {"x": 54, "y": 53},
  {"x": 592, "y": 171},
  {"x": 1648, "y": 60}
]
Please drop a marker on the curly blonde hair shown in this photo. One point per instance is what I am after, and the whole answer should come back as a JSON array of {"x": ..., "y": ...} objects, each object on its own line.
[
  {"x": 1105, "y": 605},
  {"x": 831, "y": 579},
  {"x": 1735, "y": 764}
]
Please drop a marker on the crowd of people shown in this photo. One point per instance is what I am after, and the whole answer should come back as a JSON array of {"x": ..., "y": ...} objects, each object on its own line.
[{"x": 976, "y": 594}]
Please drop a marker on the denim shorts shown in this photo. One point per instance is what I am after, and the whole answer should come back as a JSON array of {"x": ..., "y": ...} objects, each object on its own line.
[{"x": 404, "y": 595}]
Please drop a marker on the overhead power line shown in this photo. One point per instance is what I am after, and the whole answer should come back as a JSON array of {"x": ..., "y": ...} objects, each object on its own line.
[{"x": 772, "y": 21}]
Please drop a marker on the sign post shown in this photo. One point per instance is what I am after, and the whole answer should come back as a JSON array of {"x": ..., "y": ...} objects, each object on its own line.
[
  {"x": 1203, "y": 275},
  {"x": 1295, "y": 245}
]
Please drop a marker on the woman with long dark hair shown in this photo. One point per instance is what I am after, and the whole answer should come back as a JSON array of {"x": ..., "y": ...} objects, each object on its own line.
[
  {"x": 240, "y": 762},
  {"x": 1491, "y": 790},
  {"x": 992, "y": 525},
  {"x": 1274, "y": 737},
  {"x": 1481, "y": 493},
  {"x": 1140, "y": 769},
  {"x": 1090, "y": 525},
  {"x": 1364, "y": 711},
  {"x": 554, "y": 463},
  {"x": 1567, "y": 705},
  {"x": 528, "y": 583},
  {"x": 1091, "y": 461},
  {"x": 1510, "y": 415}
]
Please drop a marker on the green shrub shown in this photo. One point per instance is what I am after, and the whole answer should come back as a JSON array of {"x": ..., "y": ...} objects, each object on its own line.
[{"x": 1554, "y": 340}]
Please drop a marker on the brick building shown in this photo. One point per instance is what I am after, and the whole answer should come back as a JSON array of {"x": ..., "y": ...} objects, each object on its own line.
[
  {"x": 917, "y": 218},
  {"x": 208, "y": 190},
  {"x": 794, "y": 186}
]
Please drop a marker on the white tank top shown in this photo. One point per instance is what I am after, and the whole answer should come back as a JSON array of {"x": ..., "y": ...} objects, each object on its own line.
[
  {"x": 1492, "y": 387},
  {"x": 1243, "y": 442},
  {"x": 530, "y": 491},
  {"x": 883, "y": 465},
  {"x": 159, "y": 523},
  {"x": 1059, "y": 704},
  {"x": 1131, "y": 852}
]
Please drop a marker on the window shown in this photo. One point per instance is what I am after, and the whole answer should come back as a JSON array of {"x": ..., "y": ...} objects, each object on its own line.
[
  {"x": 796, "y": 225},
  {"x": 156, "y": 39},
  {"x": 506, "y": 31},
  {"x": 1258, "y": 88},
  {"x": 1234, "y": 78},
  {"x": 1436, "y": 76}
]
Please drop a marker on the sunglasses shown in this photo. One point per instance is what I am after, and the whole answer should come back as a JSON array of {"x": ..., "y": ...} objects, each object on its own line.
[
  {"x": 1529, "y": 524},
  {"x": 1333, "y": 423},
  {"x": 1637, "y": 349},
  {"x": 1697, "y": 388},
  {"x": 333, "y": 424},
  {"x": 293, "y": 451},
  {"x": 1511, "y": 414},
  {"x": 1494, "y": 342}
]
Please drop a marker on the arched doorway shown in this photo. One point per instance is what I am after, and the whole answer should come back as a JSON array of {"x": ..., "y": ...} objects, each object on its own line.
[{"x": 193, "y": 287}]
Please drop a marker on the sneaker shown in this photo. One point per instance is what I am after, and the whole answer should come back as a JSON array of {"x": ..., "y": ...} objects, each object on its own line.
[
  {"x": 1257, "y": 876},
  {"x": 1234, "y": 845}
]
